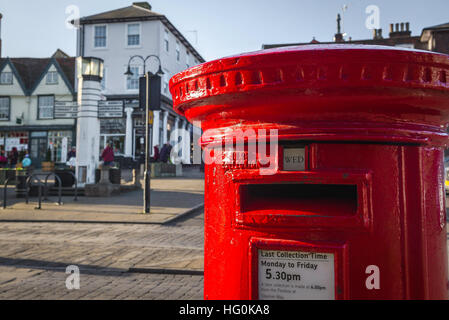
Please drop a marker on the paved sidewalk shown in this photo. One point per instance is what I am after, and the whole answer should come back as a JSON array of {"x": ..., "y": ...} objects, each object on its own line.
[
  {"x": 170, "y": 198},
  {"x": 34, "y": 258}
]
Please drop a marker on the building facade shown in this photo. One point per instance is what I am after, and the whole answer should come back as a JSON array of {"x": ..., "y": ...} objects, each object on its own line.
[
  {"x": 116, "y": 36},
  {"x": 29, "y": 90}
]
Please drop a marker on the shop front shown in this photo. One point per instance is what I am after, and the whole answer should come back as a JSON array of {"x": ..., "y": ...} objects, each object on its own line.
[
  {"x": 113, "y": 131},
  {"x": 50, "y": 146},
  {"x": 40, "y": 143},
  {"x": 60, "y": 143},
  {"x": 10, "y": 140}
]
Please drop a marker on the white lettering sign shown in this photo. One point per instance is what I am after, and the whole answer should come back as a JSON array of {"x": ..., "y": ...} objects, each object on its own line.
[
  {"x": 294, "y": 159},
  {"x": 296, "y": 275},
  {"x": 66, "y": 109},
  {"x": 110, "y": 109}
]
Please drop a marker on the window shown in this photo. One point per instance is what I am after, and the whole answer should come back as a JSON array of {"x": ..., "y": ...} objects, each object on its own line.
[
  {"x": 134, "y": 34},
  {"x": 45, "y": 106},
  {"x": 178, "y": 51},
  {"x": 166, "y": 41},
  {"x": 166, "y": 79},
  {"x": 6, "y": 78},
  {"x": 187, "y": 59},
  {"x": 132, "y": 82},
  {"x": 5, "y": 107},
  {"x": 55, "y": 138},
  {"x": 100, "y": 37},
  {"x": 52, "y": 77},
  {"x": 103, "y": 80}
]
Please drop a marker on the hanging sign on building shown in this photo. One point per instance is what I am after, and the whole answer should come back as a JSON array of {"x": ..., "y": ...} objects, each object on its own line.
[
  {"x": 132, "y": 104},
  {"x": 66, "y": 110},
  {"x": 110, "y": 109}
]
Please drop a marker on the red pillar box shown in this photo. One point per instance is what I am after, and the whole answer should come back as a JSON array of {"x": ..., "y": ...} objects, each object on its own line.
[{"x": 346, "y": 199}]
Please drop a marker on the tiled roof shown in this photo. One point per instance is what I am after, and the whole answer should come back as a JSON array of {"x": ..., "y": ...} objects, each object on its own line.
[
  {"x": 30, "y": 71},
  {"x": 68, "y": 67},
  {"x": 439, "y": 26},
  {"x": 131, "y": 12}
]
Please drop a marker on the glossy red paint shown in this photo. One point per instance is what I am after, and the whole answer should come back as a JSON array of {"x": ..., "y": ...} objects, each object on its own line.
[{"x": 373, "y": 123}]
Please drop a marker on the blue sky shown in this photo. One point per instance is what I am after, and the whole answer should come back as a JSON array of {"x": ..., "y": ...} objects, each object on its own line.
[{"x": 37, "y": 28}]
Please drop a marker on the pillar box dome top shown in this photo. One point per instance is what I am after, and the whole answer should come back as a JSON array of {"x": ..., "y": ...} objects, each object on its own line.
[{"x": 357, "y": 92}]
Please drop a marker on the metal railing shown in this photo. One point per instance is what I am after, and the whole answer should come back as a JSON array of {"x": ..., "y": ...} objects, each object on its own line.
[
  {"x": 30, "y": 179},
  {"x": 76, "y": 185},
  {"x": 5, "y": 191},
  {"x": 59, "y": 187},
  {"x": 29, "y": 184}
]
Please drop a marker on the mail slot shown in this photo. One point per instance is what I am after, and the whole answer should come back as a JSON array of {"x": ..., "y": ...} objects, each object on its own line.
[
  {"x": 301, "y": 199},
  {"x": 326, "y": 179}
]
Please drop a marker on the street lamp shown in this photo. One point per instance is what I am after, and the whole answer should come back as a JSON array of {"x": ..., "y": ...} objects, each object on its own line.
[
  {"x": 90, "y": 68},
  {"x": 129, "y": 73},
  {"x": 89, "y": 72}
]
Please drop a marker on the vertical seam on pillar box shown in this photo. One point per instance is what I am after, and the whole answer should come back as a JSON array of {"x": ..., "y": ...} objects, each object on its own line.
[
  {"x": 423, "y": 225},
  {"x": 404, "y": 226}
]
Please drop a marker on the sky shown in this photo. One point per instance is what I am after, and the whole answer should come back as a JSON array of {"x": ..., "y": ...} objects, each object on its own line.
[{"x": 216, "y": 28}]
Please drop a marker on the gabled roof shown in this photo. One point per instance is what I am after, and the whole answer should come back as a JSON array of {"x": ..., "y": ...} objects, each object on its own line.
[
  {"x": 139, "y": 11},
  {"x": 60, "y": 54},
  {"x": 30, "y": 71},
  {"x": 7, "y": 62},
  {"x": 67, "y": 66}
]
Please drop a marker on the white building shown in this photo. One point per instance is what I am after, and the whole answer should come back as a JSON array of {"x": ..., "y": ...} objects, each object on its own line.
[
  {"x": 115, "y": 36},
  {"x": 29, "y": 88}
]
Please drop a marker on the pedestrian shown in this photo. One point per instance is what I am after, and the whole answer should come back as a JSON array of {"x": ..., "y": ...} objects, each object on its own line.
[
  {"x": 13, "y": 157},
  {"x": 72, "y": 153},
  {"x": 156, "y": 153},
  {"x": 165, "y": 152},
  {"x": 3, "y": 160},
  {"x": 108, "y": 155}
]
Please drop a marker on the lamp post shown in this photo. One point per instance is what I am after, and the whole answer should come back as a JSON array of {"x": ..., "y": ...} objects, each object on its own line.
[
  {"x": 89, "y": 73},
  {"x": 146, "y": 190}
]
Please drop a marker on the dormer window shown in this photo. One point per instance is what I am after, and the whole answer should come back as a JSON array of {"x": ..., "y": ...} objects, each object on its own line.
[
  {"x": 6, "y": 78},
  {"x": 52, "y": 77}
]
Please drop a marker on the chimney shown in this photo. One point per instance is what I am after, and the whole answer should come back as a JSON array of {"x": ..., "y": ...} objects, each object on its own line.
[
  {"x": 377, "y": 34},
  {"x": 144, "y": 5},
  {"x": 400, "y": 30},
  {"x": 1, "y": 16}
]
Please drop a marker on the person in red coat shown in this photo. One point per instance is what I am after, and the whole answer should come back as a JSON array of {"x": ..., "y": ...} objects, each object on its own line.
[
  {"x": 108, "y": 155},
  {"x": 156, "y": 153}
]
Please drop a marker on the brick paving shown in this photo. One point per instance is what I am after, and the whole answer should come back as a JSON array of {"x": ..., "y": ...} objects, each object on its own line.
[
  {"x": 170, "y": 198},
  {"x": 34, "y": 257}
]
